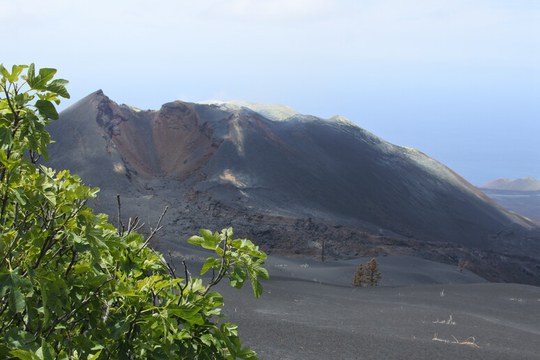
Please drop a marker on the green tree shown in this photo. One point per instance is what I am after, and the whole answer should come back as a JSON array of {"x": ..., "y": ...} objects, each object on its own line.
[{"x": 72, "y": 286}]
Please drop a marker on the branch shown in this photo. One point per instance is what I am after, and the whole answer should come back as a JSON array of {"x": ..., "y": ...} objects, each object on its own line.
[
  {"x": 72, "y": 262},
  {"x": 120, "y": 226},
  {"x": 154, "y": 231},
  {"x": 187, "y": 281},
  {"x": 222, "y": 269},
  {"x": 134, "y": 225},
  {"x": 74, "y": 311}
]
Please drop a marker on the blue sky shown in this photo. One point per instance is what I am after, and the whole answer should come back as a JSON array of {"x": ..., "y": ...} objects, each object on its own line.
[{"x": 458, "y": 80}]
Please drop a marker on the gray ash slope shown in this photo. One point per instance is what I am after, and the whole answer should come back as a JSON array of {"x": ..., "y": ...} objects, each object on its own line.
[{"x": 289, "y": 185}]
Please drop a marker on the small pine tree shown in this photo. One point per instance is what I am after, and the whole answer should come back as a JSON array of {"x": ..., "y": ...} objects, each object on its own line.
[
  {"x": 372, "y": 272},
  {"x": 359, "y": 277}
]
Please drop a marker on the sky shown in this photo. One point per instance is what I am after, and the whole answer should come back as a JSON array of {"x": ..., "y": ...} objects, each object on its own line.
[{"x": 456, "y": 79}]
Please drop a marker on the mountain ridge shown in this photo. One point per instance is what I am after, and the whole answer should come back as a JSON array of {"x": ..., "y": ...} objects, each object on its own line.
[{"x": 524, "y": 184}]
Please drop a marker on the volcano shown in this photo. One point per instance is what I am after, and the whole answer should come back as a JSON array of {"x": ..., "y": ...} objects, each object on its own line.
[{"x": 296, "y": 184}]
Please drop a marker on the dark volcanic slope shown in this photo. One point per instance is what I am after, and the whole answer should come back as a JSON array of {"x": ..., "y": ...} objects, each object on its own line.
[
  {"x": 290, "y": 184},
  {"x": 337, "y": 170}
]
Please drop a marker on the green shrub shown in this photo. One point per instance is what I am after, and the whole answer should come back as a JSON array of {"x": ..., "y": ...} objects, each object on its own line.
[{"x": 72, "y": 286}]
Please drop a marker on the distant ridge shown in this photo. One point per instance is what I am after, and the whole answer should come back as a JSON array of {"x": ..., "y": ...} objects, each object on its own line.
[{"x": 523, "y": 184}]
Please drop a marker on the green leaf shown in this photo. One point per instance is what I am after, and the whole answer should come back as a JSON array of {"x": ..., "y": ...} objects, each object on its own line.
[
  {"x": 207, "y": 241},
  {"x": 31, "y": 75},
  {"x": 209, "y": 263},
  {"x": 46, "y": 351},
  {"x": 24, "y": 354},
  {"x": 228, "y": 232},
  {"x": 247, "y": 354},
  {"x": 95, "y": 356},
  {"x": 206, "y": 234},
  {"x": 237, "y": 277},
  {"x": 12, "y": 282},
  {"x": 15, "y": 72},
  {"x": 257, "y": 288},
  {"x": 20, "y": 196},
  {"x": 47, "y": 109},
  {"x": 211, "y": 241},
  {"x": 44, "y": 288},
  {"x": 17, "y": 338},
  {"x": 5, "y": 73},
  {"x": 40, "y": 81},
  {"x": 214, "y": 299},
  {"x": 262, "y": 273},
  {"x": 195, "y": 240},
  {"x": 58, "y": 87},
  {"x": 47, "y": 74},
  {"x": 191, "y": 315},
  {"x": 206, "y": 339},
  {"x": 5, "y": 136}
]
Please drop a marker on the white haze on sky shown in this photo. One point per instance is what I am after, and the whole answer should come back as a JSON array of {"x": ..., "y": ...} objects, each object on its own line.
[{"x": 456, "y": 79}]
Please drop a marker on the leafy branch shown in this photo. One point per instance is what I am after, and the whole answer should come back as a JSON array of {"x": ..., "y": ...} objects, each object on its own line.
[{"x": 73, "y": 286}]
